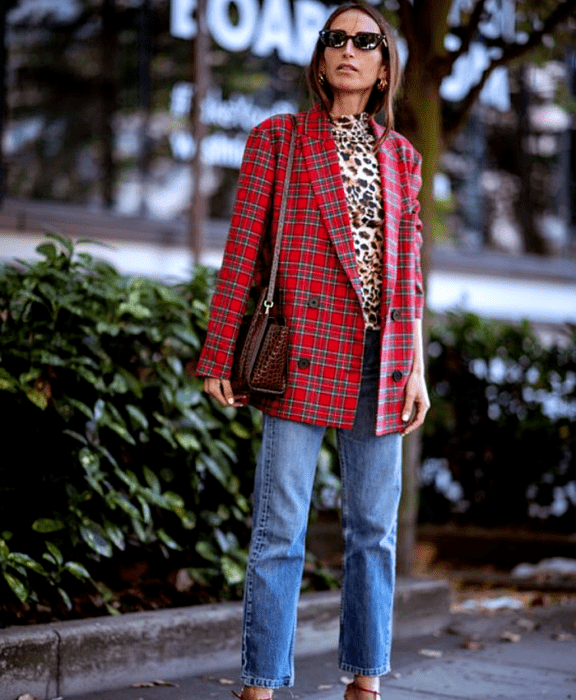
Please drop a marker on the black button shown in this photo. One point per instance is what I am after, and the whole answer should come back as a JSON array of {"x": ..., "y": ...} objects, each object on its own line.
[
  {"x": 395, "y": 314},
  {"x": 313, "y": 302},
  {"x": 396, "y": 375},
  {"x": 303, "y": 363}
]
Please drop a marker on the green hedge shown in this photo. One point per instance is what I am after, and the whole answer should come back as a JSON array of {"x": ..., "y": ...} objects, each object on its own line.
[
  {"x": 110, "y": 445},
  {"x": 500, "y": 439},
  {"x": 113, "y": 454}
]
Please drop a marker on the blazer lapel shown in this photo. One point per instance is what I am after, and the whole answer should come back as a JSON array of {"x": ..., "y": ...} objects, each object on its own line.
[
  {"x": 321, "y": 160},
  {"x": 391, "y": 196}
]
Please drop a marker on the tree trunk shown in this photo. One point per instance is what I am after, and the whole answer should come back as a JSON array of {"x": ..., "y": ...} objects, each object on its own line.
[
  {"x": 424, "y": 119},
  {"x": 107, "y": 100}
]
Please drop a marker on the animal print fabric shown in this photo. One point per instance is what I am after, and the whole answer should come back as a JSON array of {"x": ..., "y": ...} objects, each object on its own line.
[{"x": 360, "y": 174}]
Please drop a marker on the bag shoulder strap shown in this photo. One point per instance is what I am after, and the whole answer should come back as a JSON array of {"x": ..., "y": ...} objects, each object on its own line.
[{"x": 268, "y": 302}]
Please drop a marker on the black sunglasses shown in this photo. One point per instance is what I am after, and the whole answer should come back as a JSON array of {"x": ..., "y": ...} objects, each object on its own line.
[{"x": 366, "y": 41}]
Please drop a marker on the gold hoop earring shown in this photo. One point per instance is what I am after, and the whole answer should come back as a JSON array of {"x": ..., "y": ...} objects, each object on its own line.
[{"x": 381, "y": 84}]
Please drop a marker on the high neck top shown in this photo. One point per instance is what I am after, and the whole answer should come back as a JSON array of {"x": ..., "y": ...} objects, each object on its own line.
[
  {"x": 362, "y": 186},
  {"x": 353, "y": 127}
]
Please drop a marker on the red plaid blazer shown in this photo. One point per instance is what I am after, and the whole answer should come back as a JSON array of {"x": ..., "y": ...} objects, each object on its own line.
[{"x": 319, "y": 290}]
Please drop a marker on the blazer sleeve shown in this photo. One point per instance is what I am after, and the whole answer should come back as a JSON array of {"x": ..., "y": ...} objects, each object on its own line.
[
  {"x": 415, "y": 185},
  {"x": 235, "y": 278}
]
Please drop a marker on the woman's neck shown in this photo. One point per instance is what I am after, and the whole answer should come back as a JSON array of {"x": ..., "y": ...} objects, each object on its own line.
[{"x": 349, "y": 103}]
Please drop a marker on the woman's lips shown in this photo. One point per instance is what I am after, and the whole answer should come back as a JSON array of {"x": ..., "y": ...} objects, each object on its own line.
[{"x": 347, "y": 67}]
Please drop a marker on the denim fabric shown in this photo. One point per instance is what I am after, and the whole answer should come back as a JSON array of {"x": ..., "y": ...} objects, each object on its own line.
[{"x": 371, "y": 482}]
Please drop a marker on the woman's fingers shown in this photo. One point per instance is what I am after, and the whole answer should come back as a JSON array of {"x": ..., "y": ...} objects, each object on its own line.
[
  {"x": 221, "y": 390},
  {"x": 416, "y": 403}
]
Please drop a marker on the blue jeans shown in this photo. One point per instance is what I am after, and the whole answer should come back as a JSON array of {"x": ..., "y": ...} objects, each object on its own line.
[{"x": 371, "y": 482}]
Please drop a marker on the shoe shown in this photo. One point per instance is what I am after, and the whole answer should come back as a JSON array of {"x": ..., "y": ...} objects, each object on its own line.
[
  {"x": 352, "y": 688},
  {"x": 241, "y": 697}
]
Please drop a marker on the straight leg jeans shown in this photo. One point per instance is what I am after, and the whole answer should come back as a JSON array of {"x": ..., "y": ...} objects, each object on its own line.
[{"x": 371, "y": 482}]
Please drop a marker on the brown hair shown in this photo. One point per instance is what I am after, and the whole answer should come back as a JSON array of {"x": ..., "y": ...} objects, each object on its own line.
[{"x": 378, "y": 100}]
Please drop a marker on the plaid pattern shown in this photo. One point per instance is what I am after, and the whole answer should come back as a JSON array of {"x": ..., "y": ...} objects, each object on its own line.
[{"x": 319, "y": 290}]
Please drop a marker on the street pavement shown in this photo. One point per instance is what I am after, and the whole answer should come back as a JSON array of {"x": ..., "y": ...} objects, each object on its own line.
[{"x": 522, "y": 655}]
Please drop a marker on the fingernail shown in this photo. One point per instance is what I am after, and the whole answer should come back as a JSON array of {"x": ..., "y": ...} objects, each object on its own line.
[
  {"x": 405, "y": 417},
  {"x": 230, "y": 401}
]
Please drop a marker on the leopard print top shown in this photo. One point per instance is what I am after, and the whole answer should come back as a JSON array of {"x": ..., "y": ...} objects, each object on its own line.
[{"x": 360, "y": 174}]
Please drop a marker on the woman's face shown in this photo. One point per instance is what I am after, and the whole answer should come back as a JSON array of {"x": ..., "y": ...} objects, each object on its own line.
[{"x": 353, "y": 72}]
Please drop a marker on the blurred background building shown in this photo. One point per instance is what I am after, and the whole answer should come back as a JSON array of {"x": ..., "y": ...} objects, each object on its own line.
[{"x": 99, "y": 141}]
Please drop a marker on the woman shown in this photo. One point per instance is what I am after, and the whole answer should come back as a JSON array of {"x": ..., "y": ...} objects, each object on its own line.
[{"x": 350, "y": 289}]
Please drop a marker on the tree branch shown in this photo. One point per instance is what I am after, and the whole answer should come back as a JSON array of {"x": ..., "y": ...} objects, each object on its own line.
[
  {"x": 510, "y": 53},
  {"x": 467, "y": 33}
]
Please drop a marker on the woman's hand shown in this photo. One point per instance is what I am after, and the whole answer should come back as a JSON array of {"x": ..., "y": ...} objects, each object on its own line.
[
  {"x": 221, "y": 390},
  {"x": 416, "y": 402}
]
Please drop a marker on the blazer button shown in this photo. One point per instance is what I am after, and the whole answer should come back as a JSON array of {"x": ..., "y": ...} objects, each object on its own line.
[
  {"x": 395, "y": 314},
  {"x": 396, "y": 375},
  {"x": 303, "y": 363},
  {"x": 314, "y": 302}
]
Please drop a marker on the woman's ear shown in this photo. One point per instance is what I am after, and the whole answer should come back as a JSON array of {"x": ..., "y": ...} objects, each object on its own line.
[{"x": 322, "y": 65}]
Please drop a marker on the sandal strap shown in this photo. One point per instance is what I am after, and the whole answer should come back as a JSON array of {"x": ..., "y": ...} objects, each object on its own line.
[
  {"x": 241, "y": 697},
  {"x": 355, "y": 686}
]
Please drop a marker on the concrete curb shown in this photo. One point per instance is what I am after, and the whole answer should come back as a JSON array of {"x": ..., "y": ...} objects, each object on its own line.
[{"x": 68, "y": 658}]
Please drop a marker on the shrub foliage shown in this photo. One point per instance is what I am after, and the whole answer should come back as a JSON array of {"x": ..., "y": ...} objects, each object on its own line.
[
  {"x": 109, "y": 443},
  {"x": 112, "y": 453},
  {"x": 499, "y": 444}
]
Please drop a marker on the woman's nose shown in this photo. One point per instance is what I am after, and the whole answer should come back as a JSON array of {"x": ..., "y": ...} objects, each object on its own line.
[{"x": 349, "y": 47}]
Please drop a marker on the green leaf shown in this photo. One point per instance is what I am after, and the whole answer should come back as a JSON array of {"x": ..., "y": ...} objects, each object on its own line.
[
  {"x": 168, "y": 541},
  {"x": 82, "y": 407},
  {"x": 77, "y": 570},
  {"x": 47, "y": 525},
  {"x": 206, "y": 550},
  {"x": 152, "y": 480},
  {"x": 136, "y": 310},
  {"x": 28, "y": 562},
  {"x": 29, "y": 376},
  {"x": 37, "y": 398},
  {"x": 4, "y": 549},
  {"x": 93, "y": 535},
  {"x": 118, "y": 429},
  {"x": 115, "y": 534},
  {"x": 187, "y": 337},
  {"x": 48, "y": 250},
  {"x": 139, "y": 530},
  {"x": 175, "y": 500},
  {"x": 124, "y": 503},
  {"x": 239, "y": 430},
  {"x": 55, "y": 552},
  {"x": 63, "y": 240},
  {"x": 233, "y": 572},
  {"x": 17, "y": 586},
  {"x": 188, "y": 396},
  {"x": 118, "y": 384},
  {"x": 7, "y": 385},
  {"x": 167, "y": 435},
  {"x": 75, "y": 435},
  {"x": 138, "y": 418},
  {"x": 213, "y": 468},
  {"x": 65, "y": 597},
  {"x": 188, "y": 442}
]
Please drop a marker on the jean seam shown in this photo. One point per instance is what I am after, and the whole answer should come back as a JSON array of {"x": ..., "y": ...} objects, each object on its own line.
[{"x": 258, "y": 543}]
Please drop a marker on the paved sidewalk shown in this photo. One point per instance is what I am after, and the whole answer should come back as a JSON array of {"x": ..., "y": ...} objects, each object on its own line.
[
  {"x": 540, "y": 665},
  {"x": 80, "y": 656}
]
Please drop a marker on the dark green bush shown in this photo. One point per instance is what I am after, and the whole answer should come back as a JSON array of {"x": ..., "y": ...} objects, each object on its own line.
[
  {"x": 500, "y": 439},
  {"x": 109, "y": 445}
]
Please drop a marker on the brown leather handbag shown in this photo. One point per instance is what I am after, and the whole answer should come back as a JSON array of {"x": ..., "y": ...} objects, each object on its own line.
[{"x": 261, "y": 355}]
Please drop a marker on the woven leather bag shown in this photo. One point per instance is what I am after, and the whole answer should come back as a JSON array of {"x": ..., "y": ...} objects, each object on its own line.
[
  {"x": 261, "y": 355},
  {"x": 260, "y": 360}
]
